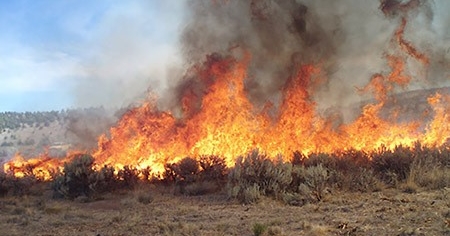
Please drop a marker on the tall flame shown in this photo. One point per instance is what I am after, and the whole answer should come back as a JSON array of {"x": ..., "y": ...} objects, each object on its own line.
[
  {"x": 228, "y": 125},
  {"x": 218, "y": 118}
]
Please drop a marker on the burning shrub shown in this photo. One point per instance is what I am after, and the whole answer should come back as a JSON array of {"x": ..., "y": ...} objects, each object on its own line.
[
  {"x": 298, "y": 158},
  {"x": 351, "y": 160},
  {"x": 213, "y": 168},
  {"x": 184, "y": 171},
  {"x": 194, "y": 177},
  {"x": 128, "y": 176},
  {"x": 103, "y": 180},
  {"x": 79, "y": 178},
  {"x": 76, "y": 178}
]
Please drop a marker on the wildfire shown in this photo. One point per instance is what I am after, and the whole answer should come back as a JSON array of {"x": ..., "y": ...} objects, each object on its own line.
[
  {"x": 42, "y": 167},
  {"x": 219, "y": 119},
  {"x": 228, "y": 125}
]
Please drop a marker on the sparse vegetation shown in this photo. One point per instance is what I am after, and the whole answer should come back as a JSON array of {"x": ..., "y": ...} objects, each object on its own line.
[
  {"x": 16, "y": 120},
  {"x": 303, "y": 180},
  {"x": 258, "y": 229},
  {"x": 256, "y": 175},
  {"x": 14, "y": 186},
  {"x": 339, "y": 183}
]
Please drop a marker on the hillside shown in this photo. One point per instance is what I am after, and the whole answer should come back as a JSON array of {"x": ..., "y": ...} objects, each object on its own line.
[{"x": 32, "y": 133}]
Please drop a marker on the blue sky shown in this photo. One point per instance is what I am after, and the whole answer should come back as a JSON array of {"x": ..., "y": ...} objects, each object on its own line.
[{"x": 71, "y": 53}]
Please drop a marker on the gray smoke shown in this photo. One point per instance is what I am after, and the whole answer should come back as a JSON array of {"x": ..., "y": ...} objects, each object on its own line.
[
  {"x": 278, "y": 34},
  {"x": 130, "y": 54},
  {"x": 348, "y": 38}
]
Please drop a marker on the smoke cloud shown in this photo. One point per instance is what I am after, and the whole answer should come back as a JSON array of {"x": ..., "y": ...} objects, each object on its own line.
[
  {"x": 130, "y": 54},
  {"x": 349, "y": 39}
]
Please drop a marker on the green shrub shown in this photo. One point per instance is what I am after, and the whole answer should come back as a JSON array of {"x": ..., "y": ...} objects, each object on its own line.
[
  {"x": 256, "y": 175},
  {"x": 298, "y": 174},
  {"x": 250, "y": 194},
  {"x": 298, "y": 198},
  {"x": 258, "y": 229}
]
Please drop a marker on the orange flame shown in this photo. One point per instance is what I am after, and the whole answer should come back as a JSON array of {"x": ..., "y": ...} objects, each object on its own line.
[
  {"x": 219, "y": 119},
  {"x": 228, "y": 125},
  {"x": 42, "y": 167}
]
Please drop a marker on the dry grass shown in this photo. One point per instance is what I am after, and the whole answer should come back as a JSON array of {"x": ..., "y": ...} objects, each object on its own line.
[
  {"x": 388, "y": 212},
  {"x": 405, "y": 192}
]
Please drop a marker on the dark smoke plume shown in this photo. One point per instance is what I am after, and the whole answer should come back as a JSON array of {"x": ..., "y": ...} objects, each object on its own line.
[
  {"x": 348, "y": 38},
  {"x": 278, "y": 35}
]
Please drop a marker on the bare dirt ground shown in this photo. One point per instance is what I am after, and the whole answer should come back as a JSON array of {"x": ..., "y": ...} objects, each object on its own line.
[{"x": 153, "y": 211}]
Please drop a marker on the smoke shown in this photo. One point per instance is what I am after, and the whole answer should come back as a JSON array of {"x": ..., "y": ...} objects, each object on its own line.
[
  {"x": 130, "y": 54},
  {"x": 278, "y": 34},
  {"x": 84, "y": 126},
  {"x": 349, "y": 39}
]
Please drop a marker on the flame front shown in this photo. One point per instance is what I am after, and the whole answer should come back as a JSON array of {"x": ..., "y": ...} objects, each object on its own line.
[
  {"x": 228, "y": 125},
  {"x": 218, "y": 118}
]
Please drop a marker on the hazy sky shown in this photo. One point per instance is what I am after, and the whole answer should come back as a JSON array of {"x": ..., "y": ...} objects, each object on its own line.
[{"x": 72, "y": 53}]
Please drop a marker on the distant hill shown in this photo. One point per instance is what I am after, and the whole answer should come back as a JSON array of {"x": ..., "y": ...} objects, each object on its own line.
[
  {"x": 16, "y": 120},
  {"x": 32, "y": 133}
]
